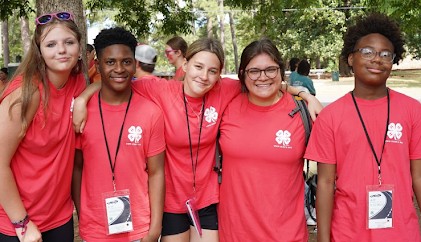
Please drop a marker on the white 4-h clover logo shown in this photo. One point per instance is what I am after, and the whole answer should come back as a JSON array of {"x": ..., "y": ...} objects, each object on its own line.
[
  {"x": 394, "y": 131},
  {"x": 211, "y": 115},
  {"x": 283, "y": 137},
  {"x": 135, "y": 133}
]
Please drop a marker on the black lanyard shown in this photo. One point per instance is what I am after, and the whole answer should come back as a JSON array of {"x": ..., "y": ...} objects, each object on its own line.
[
  {"x": 193, "y": 164},
  {"x": 378, "y": 161},
  {"x": 119, "y": 137}
]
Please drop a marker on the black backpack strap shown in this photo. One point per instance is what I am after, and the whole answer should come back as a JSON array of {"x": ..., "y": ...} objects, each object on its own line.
[
  {"x": 218, "y": 160},
  {"x": 301, "y": 106}
]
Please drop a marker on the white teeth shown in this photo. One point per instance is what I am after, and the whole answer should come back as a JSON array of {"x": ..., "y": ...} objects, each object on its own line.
[{"x": 262, "y": 85}]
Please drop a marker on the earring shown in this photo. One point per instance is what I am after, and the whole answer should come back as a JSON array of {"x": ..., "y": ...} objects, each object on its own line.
[{"x": 80, "y": 57}]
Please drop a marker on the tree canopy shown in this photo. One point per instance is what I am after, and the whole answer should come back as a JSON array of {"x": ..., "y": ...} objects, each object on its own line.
[{"x": 311, "y": 29}]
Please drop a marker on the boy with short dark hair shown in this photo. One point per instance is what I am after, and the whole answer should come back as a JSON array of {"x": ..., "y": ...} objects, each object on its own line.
[
  {"x": 118, "y": 180},
  {"x": 368, "y": 145}
]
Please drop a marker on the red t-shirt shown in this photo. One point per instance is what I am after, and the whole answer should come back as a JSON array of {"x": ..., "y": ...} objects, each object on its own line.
[
  {"x": 142, "y": 137},
  {"x": 179, "y": 74},
  {"x": 262, "y": 190},
  {"x": 178, "y": 163},
  {"x": 43, "y": 162},
  {"x": 338, "y": 138}
]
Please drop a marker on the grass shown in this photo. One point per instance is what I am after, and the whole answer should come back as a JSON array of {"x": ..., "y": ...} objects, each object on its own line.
[{"x": 405, "y": 78}]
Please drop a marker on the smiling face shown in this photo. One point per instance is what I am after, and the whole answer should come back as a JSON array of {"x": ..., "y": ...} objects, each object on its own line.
[
  {"x": 202, "y": 72},
  {"x": 264, "y": 90},
  {"x": 60, "y": 49},
  {"x": 117, "y": 66},
  {"x": 371, "y": 73}
]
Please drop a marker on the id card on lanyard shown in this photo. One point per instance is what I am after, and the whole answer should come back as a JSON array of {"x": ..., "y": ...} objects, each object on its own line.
[
  {"x": 117, "y": 206},
  {"x": 379, "y": 197},
  {"x": 118, "y": 211},
  {"x": 191, "y": 202},
  {"x": 380, "y": 206}
]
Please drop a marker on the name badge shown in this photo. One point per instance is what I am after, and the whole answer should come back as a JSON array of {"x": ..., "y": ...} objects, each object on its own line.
[
  {"x": 380, "y": 206},
  {"x": 194, "y": 215},
  {"x": 118, "y": 212}
]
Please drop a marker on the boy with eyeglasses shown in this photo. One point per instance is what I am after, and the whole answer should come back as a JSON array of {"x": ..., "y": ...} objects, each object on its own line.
[{"x": 368, "y": 145}]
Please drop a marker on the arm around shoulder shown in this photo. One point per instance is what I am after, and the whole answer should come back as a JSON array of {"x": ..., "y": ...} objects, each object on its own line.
[
  {"x": 80, "y": 113},
  {"x": 314, "y": 105}
]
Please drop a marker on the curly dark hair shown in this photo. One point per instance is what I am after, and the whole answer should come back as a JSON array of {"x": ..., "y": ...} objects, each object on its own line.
[
  {"x": 374, "y": 23},
  {"x": 114, "y": 36}
]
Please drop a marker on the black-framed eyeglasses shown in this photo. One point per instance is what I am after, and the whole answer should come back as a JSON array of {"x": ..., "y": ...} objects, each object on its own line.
[
  {"x": 369, "y": 53},
  {"x": 46, "y": 18},
  {"x": 255, "y": 73}
]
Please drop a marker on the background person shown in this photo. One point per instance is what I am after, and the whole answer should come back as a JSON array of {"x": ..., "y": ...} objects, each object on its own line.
[
  {"x": 3, "y": 77},
  {"x": 93, "y": 73},
  {"x": 175, "y": 51},
  {"x": 301, "y": 80},
  {"x": 293, "y": 64},
  {"x": 262, "y": 188},
  {"x": 135, "y": 156},
  {"x": 368, "y": 145},
  {"x": 37, "y": 141},
  {"x": 146, "y": 57}
]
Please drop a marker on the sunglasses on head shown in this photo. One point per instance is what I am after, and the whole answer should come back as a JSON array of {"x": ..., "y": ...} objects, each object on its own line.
[
  {"x": 46, "y": 18},
  {"x": 169, "y": 51}
]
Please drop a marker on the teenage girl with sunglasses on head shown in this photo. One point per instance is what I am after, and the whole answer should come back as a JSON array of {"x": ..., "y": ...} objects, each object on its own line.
[
  {"x": 37, "y": 141},
  {"x": 192, "y": 113}
]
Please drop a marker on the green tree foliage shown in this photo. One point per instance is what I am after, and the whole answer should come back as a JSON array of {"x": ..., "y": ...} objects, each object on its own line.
[
  {"x": 308, "y": 29},
  {"x": 143, "y": 17},
  {"x": 9, "y": 7},
  {"x": 408, "y": 15},
  {"x": 314, "y": 29}
]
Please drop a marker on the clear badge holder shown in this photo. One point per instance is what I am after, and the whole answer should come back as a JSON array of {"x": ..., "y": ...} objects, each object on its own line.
[
  {"x": 380, "y": 206},
  {"x": 194, "y": 215},
  {"x": 118, "y": 212}
]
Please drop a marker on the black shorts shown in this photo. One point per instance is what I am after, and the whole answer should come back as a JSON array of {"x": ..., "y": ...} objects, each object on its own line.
[{"x": 177, "y": 223}]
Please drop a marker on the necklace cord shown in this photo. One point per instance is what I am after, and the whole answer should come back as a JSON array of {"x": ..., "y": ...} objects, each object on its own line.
[
  {"x": 378, "y": 161},
  {"x": 194, "y": 164}
]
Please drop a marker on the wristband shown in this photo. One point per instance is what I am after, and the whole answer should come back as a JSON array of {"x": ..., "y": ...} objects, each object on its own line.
[
  {"x": 22, "y": 224},
  {"x": 298, "y": 94}
]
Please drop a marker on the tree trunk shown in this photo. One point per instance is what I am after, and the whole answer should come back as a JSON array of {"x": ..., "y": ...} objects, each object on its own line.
[
  {"x": 74, "y": 6},
  {"x": 344, "y": 69},
  {"x": 5, "y": 41},
  {"x": 209, "y": 27},
  {"x": 26, "y": 39},
  {"x": 222, "y": 29},
  {"x": 234, "y": 40}
]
